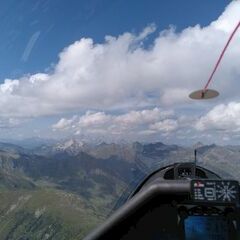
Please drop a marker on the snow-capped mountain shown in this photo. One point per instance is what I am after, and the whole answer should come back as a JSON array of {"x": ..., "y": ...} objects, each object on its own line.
[{"x": 71, "y": 146}]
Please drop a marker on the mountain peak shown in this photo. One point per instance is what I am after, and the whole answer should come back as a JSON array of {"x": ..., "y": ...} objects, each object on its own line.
[
  {"x": 198, "y": 145},
  {"x": 71, "y": 145},
  {"x": 73, "y": 142}
]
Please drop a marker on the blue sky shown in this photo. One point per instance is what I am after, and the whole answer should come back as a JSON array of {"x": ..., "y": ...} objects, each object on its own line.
[
  {"x": 61, "y": 76},
  {"x": 58, "y": 23}
]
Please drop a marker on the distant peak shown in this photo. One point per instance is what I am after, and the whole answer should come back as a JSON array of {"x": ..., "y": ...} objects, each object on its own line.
[
  {"x": 72, "y": 141},
  {"x": 71, "y": 145},
  {"x": 198, "y": 145}
]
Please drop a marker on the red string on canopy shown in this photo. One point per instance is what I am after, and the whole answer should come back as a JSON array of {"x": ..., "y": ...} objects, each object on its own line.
[{"x": 221, "y": 56}]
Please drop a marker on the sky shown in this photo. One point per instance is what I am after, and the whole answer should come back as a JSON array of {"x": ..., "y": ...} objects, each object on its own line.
[{"x": 118, "y": 70}]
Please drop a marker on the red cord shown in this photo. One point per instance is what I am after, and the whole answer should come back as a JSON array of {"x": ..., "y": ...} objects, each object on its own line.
[{"x": 221, "y": 56}]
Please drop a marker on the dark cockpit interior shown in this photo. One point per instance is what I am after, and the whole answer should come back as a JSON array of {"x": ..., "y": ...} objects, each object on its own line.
[{"x": 180, "y": 201}]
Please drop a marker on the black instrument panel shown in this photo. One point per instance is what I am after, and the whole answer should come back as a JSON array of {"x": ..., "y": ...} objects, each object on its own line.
[
  {"x": 184, "y": 170},
  {"x": 215, "y": 191}
]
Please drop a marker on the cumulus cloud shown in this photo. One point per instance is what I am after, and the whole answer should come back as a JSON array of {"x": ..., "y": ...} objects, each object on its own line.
[
  {"x": 133, "y": 123},
  {"x": 224, "y": 117},
  {"x": 166, "y": 125},
  {"x": 8, "y": 86},
  {"x": 132, "y": 84},
  {"x": 121, "y": 73},
  {"x": 64, "y": 124}
]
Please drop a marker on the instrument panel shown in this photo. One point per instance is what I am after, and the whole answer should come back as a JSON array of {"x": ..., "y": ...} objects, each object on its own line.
[
  {"x": 184, "y": 170},
  {"x": 215, "y": 191}
]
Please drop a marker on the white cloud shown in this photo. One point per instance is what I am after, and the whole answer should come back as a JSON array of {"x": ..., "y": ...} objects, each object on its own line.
[
  {"x": 166, "y": 125},
  {"x": 220, "y": 125},
  {"x": 94, "y": 119},
  {"x": 225, "y": 117},
  {"x": 124, "y": 81},
  {"x": 133, "y": 123},
  {"x": 8, "y": 86},
  {"x": 143, "y": 117},
  {"x": 146, "y": 32},
  {"x": 64, "y": 124},
  {"x": 121, "y": 74},
  {"x": 39, "y": 77}
]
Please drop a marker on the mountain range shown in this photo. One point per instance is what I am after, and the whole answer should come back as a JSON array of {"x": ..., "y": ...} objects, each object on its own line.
[{"x": 62, "y": 190}]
